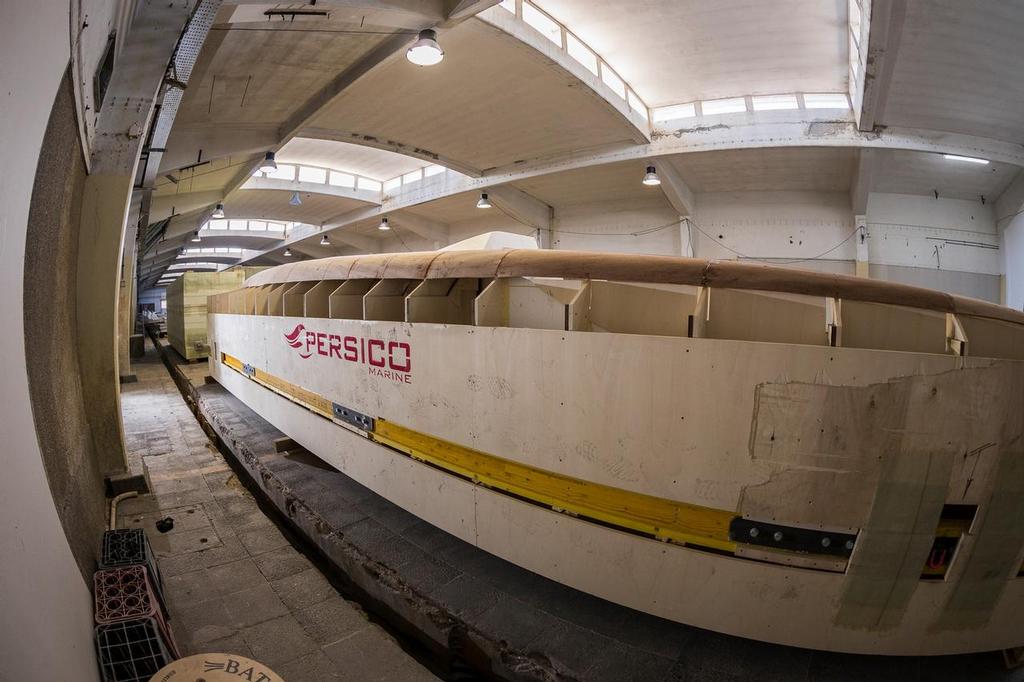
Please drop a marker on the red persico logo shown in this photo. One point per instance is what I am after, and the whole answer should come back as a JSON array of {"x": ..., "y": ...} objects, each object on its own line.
[
  {"x": 389, "y": 359},
  {"x": 294, "y": 341}
]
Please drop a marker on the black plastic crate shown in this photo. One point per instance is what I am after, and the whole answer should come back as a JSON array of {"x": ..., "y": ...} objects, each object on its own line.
[
  {"x": 127, "y": 547},
  {"x": 131, "y": 650}
]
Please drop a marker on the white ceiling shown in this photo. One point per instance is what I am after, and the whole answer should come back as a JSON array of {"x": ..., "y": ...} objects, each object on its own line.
[
  {"x": 261, "y": 74},
  {"x": 901, "y": 172},
  {"x": 824, "y": 169},
  {"x": 674, "y": 51},
  {"x": 378, "y": 164},
  {"x": 493, "y": 101},
  {"x": 960, "y": 68}
]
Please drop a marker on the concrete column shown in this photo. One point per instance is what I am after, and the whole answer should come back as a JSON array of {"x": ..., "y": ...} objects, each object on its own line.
[
  {"x": 863, "y": 256},
  {"x": 104, "y": 207},
  {"x": 123, "y": 119}
]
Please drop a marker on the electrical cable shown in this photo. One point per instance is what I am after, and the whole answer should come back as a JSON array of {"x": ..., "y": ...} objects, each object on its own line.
[{"x": 690, "y": 223}]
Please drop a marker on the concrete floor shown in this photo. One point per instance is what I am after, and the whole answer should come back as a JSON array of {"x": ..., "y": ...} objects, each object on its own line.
[{"x": 233, "y": 583}]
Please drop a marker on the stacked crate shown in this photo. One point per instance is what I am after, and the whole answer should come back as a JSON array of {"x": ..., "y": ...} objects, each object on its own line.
[{"x": 133, "y": 638}]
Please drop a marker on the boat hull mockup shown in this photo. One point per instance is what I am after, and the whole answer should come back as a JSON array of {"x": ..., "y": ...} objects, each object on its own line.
[{"x": 761, "y": 460}]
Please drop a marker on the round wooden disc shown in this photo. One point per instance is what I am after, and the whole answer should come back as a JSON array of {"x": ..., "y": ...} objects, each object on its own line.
[{"x": 215, "y": 668}]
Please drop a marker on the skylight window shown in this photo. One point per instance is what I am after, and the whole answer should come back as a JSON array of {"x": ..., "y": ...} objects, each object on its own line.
[
  {"x": 414, "y": 176},
  {"x": 217, "y": 224},
  {"x": 827, "y": 100},
  {"x": 311, "y": 174},
  {"x": 257, "y": 226},
  {"x": 581, "y": 53},
  {"x": 732, "y": 105},
  {"x": 636, "y": 105},
  {"x": 367, "y": 184},
  {"x": 774, "y": 102},
  {"x": 393, "y": 183},
  {"x": 236, "y": 225},
  {"x": 509, "y": 5},
  {"x": 275, "y": 227},
  {"x": 343, "y": 180},
  {"x": 433, "y": 170},
  {"x": 543, "y": 23},
  {"x": 674, "y": 112},
  {"x": 282, "y": 172},
  {"x": 613, "y": 81}
]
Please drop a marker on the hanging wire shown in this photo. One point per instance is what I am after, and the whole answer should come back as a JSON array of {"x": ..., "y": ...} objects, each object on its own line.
[{"x": 690, "y": 223}]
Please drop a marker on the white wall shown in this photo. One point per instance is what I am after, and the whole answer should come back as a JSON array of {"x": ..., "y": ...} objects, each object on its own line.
[
  {"x": 798, "y": 229},
  {"x": 45, "y": 606},
  {"x": 1013, "y": 261},
  {"x": 946, "y": 244},
  {"x": 809, "y": 230}
]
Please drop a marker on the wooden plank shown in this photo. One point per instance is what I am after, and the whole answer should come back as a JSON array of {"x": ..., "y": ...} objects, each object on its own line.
[
  {"x": 888, "y": 327},
  {"x": 317, "y": 301},
  {"x": 386, "y": 299},
  {"x": 756, "y": 316},
  {"x": 635, "y": 309}
]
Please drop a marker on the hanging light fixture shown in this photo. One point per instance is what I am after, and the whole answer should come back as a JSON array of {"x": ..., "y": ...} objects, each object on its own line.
[
  {"x": 484, "y": 202},
  {"x": 287, "y": 252},
  {"x": 218, "y": 212},
  {"x": 268, "y": 163},
  {"x": 296, "y": 200},
  {"x": 383, "y": 224},
  {"x": 651, "y": 178},
  {"x": 425, "y": 51},
  {"x": 324, "y": 241},
  {"x": 195, "y": 237}
]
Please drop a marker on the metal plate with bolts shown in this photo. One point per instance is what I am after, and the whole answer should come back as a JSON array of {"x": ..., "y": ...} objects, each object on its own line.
[
  {"x": 350, "y": 416},
  {"x": 791, "y": 538}
]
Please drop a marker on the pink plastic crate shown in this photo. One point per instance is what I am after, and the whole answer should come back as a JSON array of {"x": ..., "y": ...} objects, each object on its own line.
[{"x": 127, "y": 593}]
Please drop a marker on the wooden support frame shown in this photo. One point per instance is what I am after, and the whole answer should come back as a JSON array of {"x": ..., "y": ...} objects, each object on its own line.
[
  {"x": 956, "y": 337},
  {"x": 834, "y": 322}
]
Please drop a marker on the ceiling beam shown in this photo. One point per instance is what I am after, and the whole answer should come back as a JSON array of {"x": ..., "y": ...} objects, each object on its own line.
[
  {"x": 389, "y": 50},
  {"x": 361, "y": 139},
  {"x": 457, "y": 10},
  {"x": 860, "y": 185},
  {"x": 423, "y": 227},
  {"x": 276, "y": 184},
  {"x": 406, "y": 12},
  {"x": 676, "y": 190},
  {"x": 521, "y": 207},
  {"x": 884, "y": 35}
]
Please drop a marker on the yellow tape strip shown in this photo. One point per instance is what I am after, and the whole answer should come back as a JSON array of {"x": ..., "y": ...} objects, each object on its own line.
[
  {"x": 664, "y": 519},
  {"x": 676, "y": 521}
]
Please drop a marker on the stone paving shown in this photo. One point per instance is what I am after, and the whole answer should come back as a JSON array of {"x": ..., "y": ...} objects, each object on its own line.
[{"x": 232, "y": 581}]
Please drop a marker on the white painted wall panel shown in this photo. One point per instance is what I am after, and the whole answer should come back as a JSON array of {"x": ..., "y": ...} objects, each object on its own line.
[{"x": 46, "y": 617}]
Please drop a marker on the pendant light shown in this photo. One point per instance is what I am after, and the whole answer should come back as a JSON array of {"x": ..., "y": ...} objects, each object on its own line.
[
  {"x": 268, "y": 163},
  {"x": 383, "y": 224},
  {"x": 218, "y": 212},
  {"x": 651, "y": 178},
  {"x": 425, "y": 51},
  {"x": 484, "y": 202}
]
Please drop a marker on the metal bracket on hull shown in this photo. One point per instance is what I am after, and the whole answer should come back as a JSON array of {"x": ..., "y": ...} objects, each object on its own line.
[
  {"x": 791, "y": 538},
  {"x": 350, "y": 416}
]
